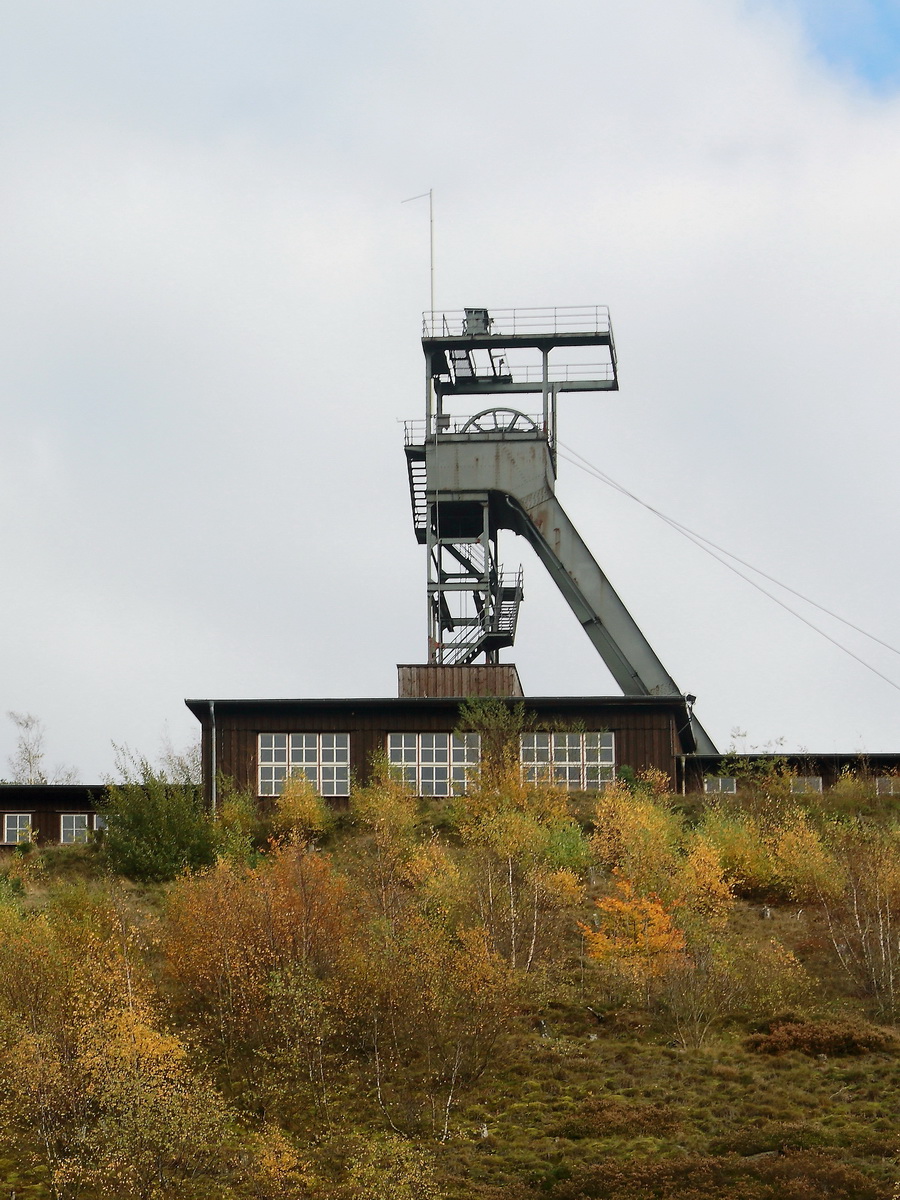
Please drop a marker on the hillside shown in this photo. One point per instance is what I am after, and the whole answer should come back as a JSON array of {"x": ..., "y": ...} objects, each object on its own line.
[{"x": 521, "y": 993}]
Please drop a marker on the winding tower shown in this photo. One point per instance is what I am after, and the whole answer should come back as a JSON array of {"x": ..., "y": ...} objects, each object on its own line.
[{"x": 473, "y": 473}]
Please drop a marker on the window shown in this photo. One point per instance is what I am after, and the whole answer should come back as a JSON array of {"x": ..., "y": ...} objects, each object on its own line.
[
  {"x": 16, "y": 828},
  {"x": 887, "y": 785},
  {"x": 435, "y": 764},
  {"x": 322, "y": 758},
  {"x": 725, "y": 785},
  {"x": 74, "y": 827},
  {"x": 802, "y": 785},
  {"x": 579, "y": 761}
]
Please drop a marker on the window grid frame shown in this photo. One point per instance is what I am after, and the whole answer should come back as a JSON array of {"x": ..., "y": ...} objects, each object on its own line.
[
  {"x": 322, "y": 758},
  {"x": 27, "y": 829},
  {"x": 75, "y": 840},
  {"x": 434, "y": 763},
  {"x": 579, "y": 762},
  {"x": 718, "y": 789},
  {"x": 806, "y": 785}
]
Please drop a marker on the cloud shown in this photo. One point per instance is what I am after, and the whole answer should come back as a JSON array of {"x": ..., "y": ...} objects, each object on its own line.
[{"x": 208, "y": 338}]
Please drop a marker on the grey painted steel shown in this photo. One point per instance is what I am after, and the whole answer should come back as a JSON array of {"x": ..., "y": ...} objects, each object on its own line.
[
  {"x": 497, "y": 470},
  {"x": 516, "y": 472}
]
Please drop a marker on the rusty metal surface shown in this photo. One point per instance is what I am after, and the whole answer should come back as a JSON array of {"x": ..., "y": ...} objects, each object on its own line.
[{"x": 430, "y": 679}]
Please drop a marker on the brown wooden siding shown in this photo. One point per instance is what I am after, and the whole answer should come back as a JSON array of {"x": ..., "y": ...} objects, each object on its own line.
[
  {"x": 46, "y": 803},
  {"x": 470, "y": 680},
  {"x": 646, "y": 730},
  {"x": 828, "y": 766}
]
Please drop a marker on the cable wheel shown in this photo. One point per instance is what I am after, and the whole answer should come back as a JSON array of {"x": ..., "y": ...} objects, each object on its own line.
[{"x": 500, "y": 420}]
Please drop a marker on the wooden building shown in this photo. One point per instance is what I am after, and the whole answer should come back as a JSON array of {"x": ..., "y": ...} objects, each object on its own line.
[
  {"x": 582, "y": 740},
  {"x": 48, "y": 812}
]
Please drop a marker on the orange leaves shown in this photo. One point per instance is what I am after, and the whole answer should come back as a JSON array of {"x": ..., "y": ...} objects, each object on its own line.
[
  {"x": 227, "y": 931},
  {"x": 638, "y": 936}
]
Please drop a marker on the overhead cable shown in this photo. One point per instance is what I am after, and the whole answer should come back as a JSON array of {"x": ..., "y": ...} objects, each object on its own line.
[{"x": 715, "y": 551}]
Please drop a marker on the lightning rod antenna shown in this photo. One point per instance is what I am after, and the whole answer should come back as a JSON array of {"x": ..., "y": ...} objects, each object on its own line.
[{"x": 421, "y": 196}]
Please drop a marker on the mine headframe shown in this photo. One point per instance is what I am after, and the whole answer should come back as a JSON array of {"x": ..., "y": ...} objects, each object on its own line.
[{"x": 477, "y": 465}]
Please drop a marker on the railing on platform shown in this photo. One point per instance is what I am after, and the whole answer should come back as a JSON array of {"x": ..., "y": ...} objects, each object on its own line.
[
  {"x": 415, "y": 433},
  {"x": 521, "y": 322}
]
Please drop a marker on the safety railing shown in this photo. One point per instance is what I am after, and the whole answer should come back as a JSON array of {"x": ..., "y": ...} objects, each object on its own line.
[
  {"x": 518, "y": 322},
  {"x": 415, "y": 433},
  {"x": 562, "y": 372}
]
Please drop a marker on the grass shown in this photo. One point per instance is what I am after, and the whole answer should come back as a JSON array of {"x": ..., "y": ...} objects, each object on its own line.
[{"x": 581, "y": 1100}]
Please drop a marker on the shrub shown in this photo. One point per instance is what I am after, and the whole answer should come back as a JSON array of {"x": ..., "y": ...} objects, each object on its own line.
[
  {"x": 155, "y": 829},
  {"x": 743, "y": 851},
  {"x": 601, "y": 1116},
  {"x": 769, "y": 1137},
  {"x": 640, "y": 834},
  {"x": 835, "y": 1038},
  {"x": 800, "y": 1175},
  {"x": 299, "y": 812}
]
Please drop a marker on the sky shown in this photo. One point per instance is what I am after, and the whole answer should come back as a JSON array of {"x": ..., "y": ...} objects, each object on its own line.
[{"x": 210, "y": 322}]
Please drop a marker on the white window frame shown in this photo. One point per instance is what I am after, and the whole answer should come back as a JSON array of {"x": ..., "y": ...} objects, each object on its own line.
[
  {"x": 580, "y": 762},
  {"x": 806, "y": 785},
  {"x": 19, "y": 829},
  {"x": 74, "y": 839},
  {"x": 435, "y": 764},
  {"x": 322, "y": 758},
  {"x": 720, "y": 785}
]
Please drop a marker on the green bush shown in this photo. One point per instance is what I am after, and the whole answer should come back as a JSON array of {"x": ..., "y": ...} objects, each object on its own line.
[{"x": 156, "y": 828}]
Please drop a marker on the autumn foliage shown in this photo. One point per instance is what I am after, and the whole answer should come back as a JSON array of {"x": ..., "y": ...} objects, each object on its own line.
[{"x": 360, "y": 1006}]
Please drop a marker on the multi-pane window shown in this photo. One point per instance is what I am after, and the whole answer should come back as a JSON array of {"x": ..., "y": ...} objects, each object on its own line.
[
  {"x": 887, "y": 785},
  {"x": 74, "y": 827},
  {"x": 721, "y": 785},
  {"x": 802, "y": 785},
  {"x": 16, "y": 828},
  {"x": 322, "y": 758},
  {"x": 435, "y": 764},
  {"x": 578, "y": 761}
]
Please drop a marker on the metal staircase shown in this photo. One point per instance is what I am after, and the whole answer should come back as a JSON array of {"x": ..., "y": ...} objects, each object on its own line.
[
  {"x": 415, "y": 465},
  {"x": 474, "y": 473}
]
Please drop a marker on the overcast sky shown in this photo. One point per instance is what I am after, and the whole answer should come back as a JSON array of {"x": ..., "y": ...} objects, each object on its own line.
[{"x": 210, "y": 322}]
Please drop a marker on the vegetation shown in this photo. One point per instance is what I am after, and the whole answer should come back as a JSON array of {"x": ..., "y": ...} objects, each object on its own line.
[
  {"x": 27, "y": 763},
  {"x": 491, "y": 998},
  {"x": 156, "y": 826}
]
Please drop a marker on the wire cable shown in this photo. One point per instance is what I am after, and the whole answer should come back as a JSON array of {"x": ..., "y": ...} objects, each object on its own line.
[{"x": 715, "y": 551}]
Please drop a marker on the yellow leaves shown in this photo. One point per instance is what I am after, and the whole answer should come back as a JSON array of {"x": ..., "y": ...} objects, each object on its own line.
[
  {"x": 741, "y": 841},
  {"x": 500, "y": 788},
  {"x": 387, "y": 807},
  {"x": 561, "y": 888},
  {"x": 300, "y": 812},
  {"x": 124, "y": 1047},
  {"x": 509, "y": 832},
  {"x": 278, "y": 1167},
  {"x": 778, "y": 981},
  {"x": 803, "y": 861},
  {"x": 391, "y": 1168},
  {"x": 429, "y": 863},
  {"x": 639, "y": 834},
  {"x": 700, "y": 886},
  {"x": 157, "y": 1125}
]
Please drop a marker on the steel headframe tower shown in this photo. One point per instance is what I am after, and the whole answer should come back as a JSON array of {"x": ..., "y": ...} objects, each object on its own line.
[{"x": 472, "y": 476}]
